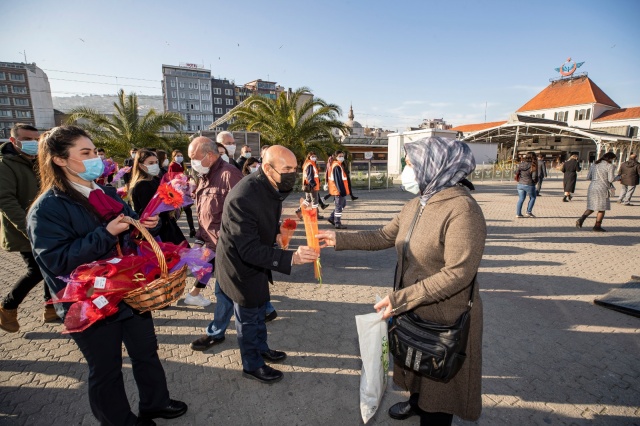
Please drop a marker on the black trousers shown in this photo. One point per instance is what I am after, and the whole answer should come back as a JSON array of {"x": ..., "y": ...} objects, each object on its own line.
[
  {"x": 101, "y": 345},
  {"x": 189, "y": 214},
  {"x": 539, "y": 185},
  {"x": 26, "y": 283}
]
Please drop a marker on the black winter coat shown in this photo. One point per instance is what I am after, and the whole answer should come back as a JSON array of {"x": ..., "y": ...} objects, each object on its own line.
[
  {"x": 570, "y": 169},
  {"x": 65, "y": 235},
  {"x": 245, "y": 255}
]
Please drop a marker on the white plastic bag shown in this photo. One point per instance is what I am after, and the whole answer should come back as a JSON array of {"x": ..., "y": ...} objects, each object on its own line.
[{"x": 374, "y": 351}]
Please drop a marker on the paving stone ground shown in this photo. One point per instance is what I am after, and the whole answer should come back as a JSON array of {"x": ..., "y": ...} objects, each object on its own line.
[{"x": 550, "y": 355}]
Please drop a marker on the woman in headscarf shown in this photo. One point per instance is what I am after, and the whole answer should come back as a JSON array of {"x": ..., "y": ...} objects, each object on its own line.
[
  {"x": 440, "y": 262},
  {"x": 601, "y": 174}
]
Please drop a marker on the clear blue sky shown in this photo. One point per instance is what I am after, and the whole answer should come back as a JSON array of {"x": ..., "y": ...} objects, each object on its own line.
[{"x": 396, "y": 61}]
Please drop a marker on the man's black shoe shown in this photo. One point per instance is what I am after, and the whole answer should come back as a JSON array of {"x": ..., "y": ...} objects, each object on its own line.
[
  {"x": 274, "y": 356},
  {"x": 205, "y": 342},
  {"x": 353, "y": 198},
  {"x": 403, "y": 410},
  {"x": 171, "y": 411},
  {"x": 340, "y": 226},
  {"x": 264, "y": 374},
  {"x": 271, "y": 316},
  {"x": 331, "y": 222},
  {"x": 145, "y": 422},
  {"x": 323, "y": 205}
]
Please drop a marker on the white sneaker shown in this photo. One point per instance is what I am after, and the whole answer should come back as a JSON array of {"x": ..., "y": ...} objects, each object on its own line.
[{"x": 198, "y": 300}]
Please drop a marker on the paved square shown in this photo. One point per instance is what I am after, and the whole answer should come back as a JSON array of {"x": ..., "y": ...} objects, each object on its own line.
[{"x": 550, "y": 355}]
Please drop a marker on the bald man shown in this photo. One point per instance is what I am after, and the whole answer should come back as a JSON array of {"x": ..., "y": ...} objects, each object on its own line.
[
  {"x": 246, "y": 256},
  {"x": 217, "y": 177}
]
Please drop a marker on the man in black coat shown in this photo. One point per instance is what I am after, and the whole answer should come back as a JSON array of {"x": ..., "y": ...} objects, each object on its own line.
[
  {"x": 570, "y": 169},
  {"x": 246, "y": 256},
  {"x": 542, "y": 173},
  {"x": 629, "y": 178}
]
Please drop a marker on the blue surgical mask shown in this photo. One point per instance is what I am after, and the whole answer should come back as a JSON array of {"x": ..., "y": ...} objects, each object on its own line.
[
  {"x": 93, "y": 169},
  {"x": 29, "y": 147}
]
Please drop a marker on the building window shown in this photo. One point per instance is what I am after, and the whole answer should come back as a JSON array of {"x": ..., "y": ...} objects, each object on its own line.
[
  {"x": 190, "y": 95},
  {"x": 16, "y": 77},
  {"x": 633, "y": 131},
  {"x": 23, "y": 114},
  {"x": 19, "y": 89},
  {"x": 217, "y": 101},
  {"x": 182, "y": 95},
  {"x": 21, "y": 102},
  {"x": 228, "y": 109},
  {"x": 182, "y": 84},
  {"x": 183, "y": 105},
  {"x": 204, "y": 97},
  {"x": 229, "y": 101},
  {"x": 173, "y": 83},
  {"x": 228, "y": 92},
  {"x": 4, "y": 88},
  {"x": 588, "y": 116},
  {"x": 190, "y": 85},
  {"x": 174, "y": 105},
  {"x": 4, "y": 113},
  {"x": 4, "y": 101},
  {"x": 218, "y": 111},
  {"x": 2, "y": 76},
  {"x": 174, "y": 95},
  {"x": 561, "y": 116},
  {"x": 217, "y": 91}
]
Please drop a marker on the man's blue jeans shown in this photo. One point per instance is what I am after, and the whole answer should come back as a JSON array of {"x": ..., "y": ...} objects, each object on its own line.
[
  {"x": 523, "y": 191},
  {"x": 223, "y": 312},
  {"x": 252, "y": 335}
]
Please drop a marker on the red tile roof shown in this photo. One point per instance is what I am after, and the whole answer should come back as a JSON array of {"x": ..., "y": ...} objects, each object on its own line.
[
  {"x": 619, "y": 114},
  {"x": 466, "y": 128},
  {"x": 576, "y": 91}
]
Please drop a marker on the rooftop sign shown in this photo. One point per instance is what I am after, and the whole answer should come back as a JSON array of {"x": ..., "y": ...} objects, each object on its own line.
[{"x": 568, "y": 68}]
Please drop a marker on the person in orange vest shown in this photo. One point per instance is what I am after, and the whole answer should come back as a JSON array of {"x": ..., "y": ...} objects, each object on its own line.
[
  {"x": 310, "y": 183},
  {"x": 339, "y": 188}
]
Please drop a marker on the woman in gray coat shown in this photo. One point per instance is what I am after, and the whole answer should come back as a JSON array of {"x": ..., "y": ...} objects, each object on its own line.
[
  {"x": 601, "y": 175},
  {"x": 441, "y": 261}
]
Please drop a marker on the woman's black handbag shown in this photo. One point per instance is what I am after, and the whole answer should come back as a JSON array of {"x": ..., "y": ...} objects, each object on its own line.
[{"x": 433, "y": 350}]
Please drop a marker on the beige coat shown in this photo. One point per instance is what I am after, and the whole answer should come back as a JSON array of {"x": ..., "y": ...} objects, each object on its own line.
[{"x": 443, "y": 256}]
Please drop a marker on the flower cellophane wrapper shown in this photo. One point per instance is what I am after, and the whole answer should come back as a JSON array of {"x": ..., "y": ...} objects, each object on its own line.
[
  {"x": 95, "y": 289},
  {"x": 171, "y": 194},
  {"x": 120, "y": 174},
  {"x": 286, "y": 232},
  {"x": 310, "y": 217}
]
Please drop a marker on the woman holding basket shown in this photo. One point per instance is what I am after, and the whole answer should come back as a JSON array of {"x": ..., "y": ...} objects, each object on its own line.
[{"x": 73, "y": 222}]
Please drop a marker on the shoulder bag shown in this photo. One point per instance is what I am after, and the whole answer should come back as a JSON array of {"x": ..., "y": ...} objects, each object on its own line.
[{"x": 427, "y": 348}]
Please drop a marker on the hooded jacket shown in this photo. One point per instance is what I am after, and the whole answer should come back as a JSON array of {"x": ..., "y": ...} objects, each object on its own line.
[
  {"x": 19, "y": 186},
  {"x": 629, "y": 173},
  {"x": 527, "y": 175}
]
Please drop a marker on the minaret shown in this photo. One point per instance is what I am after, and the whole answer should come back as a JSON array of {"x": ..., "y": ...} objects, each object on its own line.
[{"x": 350, "y": 116}]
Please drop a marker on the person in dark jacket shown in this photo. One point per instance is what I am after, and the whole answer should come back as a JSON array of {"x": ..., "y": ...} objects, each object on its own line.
[
  {"x": 629, "y": 178},
  {"x": 18, "y": 188},
  {"x": 245, "y": 154},
  {"x": 143, "y": 186},
  {"x": 339, "y": 188},
  {"x": 528, "y": 172},
  {"x": 128, "y": 162},
  {"x": 227, "y": 140},
  {"x": 570, "y": 168},
  {"x": 542, "y": 173},
  {"x": 246, "y": 256},
  {"x": 73, "y": 222}
]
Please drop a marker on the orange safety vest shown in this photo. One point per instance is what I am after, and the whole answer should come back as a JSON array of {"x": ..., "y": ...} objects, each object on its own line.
[
  {"x": 333, "y": 188},
  {"x": 316, "y": 177}
]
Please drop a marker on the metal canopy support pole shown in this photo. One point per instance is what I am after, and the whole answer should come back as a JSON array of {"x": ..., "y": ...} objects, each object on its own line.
[{"x": 515, "y": 144}]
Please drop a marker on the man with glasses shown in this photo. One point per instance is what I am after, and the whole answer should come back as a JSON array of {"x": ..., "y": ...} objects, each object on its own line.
[
  {"x": 246, "y": 256},
  {"x": 18, "y": 188}
]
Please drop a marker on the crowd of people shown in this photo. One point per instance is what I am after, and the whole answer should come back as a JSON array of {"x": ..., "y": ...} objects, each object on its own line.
[{"x": 60, "y": 211}]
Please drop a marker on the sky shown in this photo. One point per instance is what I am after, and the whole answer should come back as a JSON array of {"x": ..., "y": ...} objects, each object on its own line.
[{"x": 396, "y": 62}]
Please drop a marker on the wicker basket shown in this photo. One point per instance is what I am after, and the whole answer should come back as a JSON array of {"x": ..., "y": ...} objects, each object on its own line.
[{"x": 162, "y": 291}]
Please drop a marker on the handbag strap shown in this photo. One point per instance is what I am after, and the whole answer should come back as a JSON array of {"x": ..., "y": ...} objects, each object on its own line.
[{"x": 400, "y": 270}]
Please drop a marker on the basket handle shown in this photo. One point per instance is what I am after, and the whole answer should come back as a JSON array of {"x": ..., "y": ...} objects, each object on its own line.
[{"x": 154, "y": 245}]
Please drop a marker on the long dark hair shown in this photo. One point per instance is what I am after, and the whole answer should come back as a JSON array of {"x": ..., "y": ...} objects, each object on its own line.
[
  {"x": 608, "y": 157},
  {"x": 246, "y": 168},
  {"x": 137, "y": 173},
  {"x": 56, "y": 143},
  {"x": 531, "y": 158}
]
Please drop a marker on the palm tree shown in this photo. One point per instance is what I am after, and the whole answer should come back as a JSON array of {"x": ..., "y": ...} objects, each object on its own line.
[
  {"x": 290, "y": 120},
  {"x": 125, "y": 128}
]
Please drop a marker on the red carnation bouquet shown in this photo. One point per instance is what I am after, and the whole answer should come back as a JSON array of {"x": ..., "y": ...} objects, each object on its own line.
[
  {"x": 171, "y": 195},
  {"x": 286, "y": 232}
]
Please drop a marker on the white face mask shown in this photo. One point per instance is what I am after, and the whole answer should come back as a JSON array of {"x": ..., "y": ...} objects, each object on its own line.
[
  {"x": 254, "y": 169},
  {"x": 179, "y": 159},
  {"x": 247, "y": 155},
  {"x": 153, "y": 169},
  {"x": 198, "y": 167},
  {"x": 165, "y": 163},
  {"x": 231, "y": 149},
  {"x": 409, "y": 182},
  {"x": 225, "y": 157},
  {"x": 313, "y": 158},
  {"x": 340, "y": 159}
]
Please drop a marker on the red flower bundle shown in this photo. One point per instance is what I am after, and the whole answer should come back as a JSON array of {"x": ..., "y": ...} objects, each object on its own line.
[
  {"x": 286, "y": 232},
  {"x": 171, "y": 194}
]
